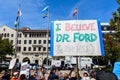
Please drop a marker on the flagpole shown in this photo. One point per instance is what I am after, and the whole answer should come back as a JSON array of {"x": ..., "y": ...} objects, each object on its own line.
[
  {"x": 48, "y": 33},
  {"x": 16, "y": 40},
  {"x": 17, "y": 26},
  {"x": 76, "y": 13}
]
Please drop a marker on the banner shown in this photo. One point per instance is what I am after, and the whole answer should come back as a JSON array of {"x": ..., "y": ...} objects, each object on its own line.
[{"x": 76, "y": 38}]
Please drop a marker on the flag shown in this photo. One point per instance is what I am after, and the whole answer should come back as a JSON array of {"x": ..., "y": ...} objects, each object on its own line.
[
  {"x": 19, "y": 13},
  {"x": 45, "y": 9},
  {"x": 17, "y": 21},
  {"x": 45, "y": 15},
  {"x": 75, "y": 11}
]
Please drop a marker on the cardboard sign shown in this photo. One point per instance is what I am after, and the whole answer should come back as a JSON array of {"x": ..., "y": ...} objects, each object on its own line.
[{"x": 76, "y": 38}]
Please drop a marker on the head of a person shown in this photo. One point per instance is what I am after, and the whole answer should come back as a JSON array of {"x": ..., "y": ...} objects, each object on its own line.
[
  {"x": 23, "y": 77},
  {"x": 65, "y": 75},
  {"x": 32, "y": 73},
  {"x": 52, "y": 71},
  {"x": 85, "y": 74},
  {"x": 16, "y": 74},
  {"x": 3, "y": 72},
  {"x": 73, "y": 74}
]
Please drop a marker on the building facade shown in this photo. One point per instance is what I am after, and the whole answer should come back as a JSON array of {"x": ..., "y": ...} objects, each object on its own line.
[{"x": 32, "y": 45}]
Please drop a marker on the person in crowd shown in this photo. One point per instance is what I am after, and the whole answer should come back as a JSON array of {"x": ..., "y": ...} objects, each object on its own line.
[
  {"x": 65, "y": 76},
  {"x": 92, "y": 75},
  {"x": 32, "y": 75},
  {"x": 22, "y": 77},
  {"x": 5, "y": 75},
  {"x": 41, "y": 73},
  {"x": 0, "y": 76},
  {"x": 85, "y": 76},
  {"x": 15, "y": 76},
  {"x": 52, "y": 75},
  {"x": 3, "y": 72},
  {"x": 73, "y": 76},
  {"x": 57, "y": 71}
]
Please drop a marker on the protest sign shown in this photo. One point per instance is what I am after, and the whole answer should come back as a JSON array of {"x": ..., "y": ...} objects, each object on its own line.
[
  {"x": 76, "y": 38},
  {"x": 24, "y": 69},
  {"x": 12, "y": 63}
]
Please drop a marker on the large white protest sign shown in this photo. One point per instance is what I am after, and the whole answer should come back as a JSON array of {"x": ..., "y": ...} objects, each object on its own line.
[{"x": 76, "y": 38}]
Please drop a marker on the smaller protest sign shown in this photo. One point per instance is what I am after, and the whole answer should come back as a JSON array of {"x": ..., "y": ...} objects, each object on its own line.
[
  {"x": 24, "y": 69},
  {"x": 12, "y": 63}
]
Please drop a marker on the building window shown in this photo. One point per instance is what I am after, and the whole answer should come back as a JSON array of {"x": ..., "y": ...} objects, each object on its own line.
[
  {"x": 29, "y": 48},
  {"x": 30, "y": 35},
  {"x": 44, "y": 48},
  {"x": 34, "y": 48},
  {"x": 19, "y": 41},
  {"x": 30, "y": 41},
  {"x": 34, "y": 41},
  {"x": 39, "y": 42},
  {"x": 19, "y": 35},
  {"x": 49, "y": 41},
  {"x": 7, "y": 34},
  {"x": 25, "y": 41},
  {"x": 18, "y": 49},
  {"x": 39, "y": 48},
  {"x": 2, "y": 34},
  {"x": 44, "y": 41},
  {"x": 25, "y": 35},
  {"x": 24, "y": 48},
  {"x": 48, "y": 48},
  {"x": 12, "y": 35},
  {"x": 11, "y": 41}
]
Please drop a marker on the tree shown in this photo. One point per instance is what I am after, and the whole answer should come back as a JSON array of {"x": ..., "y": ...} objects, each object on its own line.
[
  {"x": 6, "y": 48},
  {"x": 112, "y": 42}
]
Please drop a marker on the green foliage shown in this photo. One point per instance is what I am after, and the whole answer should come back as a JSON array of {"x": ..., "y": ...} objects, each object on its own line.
[
  {"x": 6, "y": 48},
  {"x": 112, "y": 41}
]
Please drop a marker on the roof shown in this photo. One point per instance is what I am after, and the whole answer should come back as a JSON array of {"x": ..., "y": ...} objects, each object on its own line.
[{"x": 28, "y": 30}]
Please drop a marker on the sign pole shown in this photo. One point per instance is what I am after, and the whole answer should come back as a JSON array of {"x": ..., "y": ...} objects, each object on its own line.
[{"x": 77, "y": 68}]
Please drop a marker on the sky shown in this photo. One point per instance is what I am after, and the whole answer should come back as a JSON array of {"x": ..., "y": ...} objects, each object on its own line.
[{"x": 58, "y": 9}]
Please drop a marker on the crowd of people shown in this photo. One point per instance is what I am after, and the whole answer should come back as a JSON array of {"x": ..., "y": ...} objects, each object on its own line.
[{"x": 40, "y": 73}]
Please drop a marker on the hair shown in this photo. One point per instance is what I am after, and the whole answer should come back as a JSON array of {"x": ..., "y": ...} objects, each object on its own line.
[
  {"x": 85, "y": 73},
  {"x": 23, "y": 77}
]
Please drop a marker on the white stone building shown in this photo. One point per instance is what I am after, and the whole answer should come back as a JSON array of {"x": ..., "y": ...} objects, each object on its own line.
[{"x": 31, "y": 44}]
